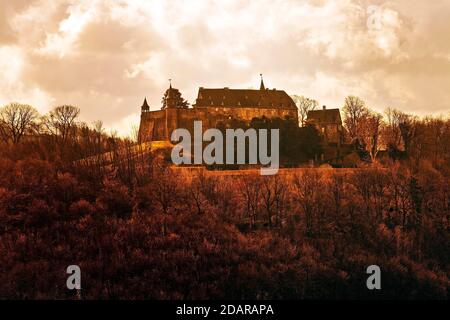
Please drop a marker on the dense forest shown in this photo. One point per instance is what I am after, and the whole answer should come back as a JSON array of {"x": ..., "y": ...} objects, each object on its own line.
[{"x": 141, "y": 229}]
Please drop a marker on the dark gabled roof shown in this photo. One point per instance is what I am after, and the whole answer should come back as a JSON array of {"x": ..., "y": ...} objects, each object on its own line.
[
  {"x": 226, "y": 97},
  {"x": 324, "y": 116}
]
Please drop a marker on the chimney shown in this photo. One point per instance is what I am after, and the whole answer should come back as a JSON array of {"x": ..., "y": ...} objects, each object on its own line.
[{"x": 324, "y": 107}]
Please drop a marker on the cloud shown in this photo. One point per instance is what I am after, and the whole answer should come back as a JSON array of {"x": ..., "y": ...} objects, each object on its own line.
[
  {"x": 107, "y": 55},
  {"x": 12, "y": 90}
]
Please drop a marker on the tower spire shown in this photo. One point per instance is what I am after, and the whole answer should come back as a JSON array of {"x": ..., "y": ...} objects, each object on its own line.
[
  {"x": 145, "y": 106},
  {"x": 262, "y": 87},
  {"x": 170, "y": 83}
]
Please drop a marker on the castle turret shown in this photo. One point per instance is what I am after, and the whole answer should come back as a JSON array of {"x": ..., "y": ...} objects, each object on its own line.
[{"x": 145, "y": 107}]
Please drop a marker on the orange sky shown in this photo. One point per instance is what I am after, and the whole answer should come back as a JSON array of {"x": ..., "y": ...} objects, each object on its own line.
[{"x": 106, "y": 55}]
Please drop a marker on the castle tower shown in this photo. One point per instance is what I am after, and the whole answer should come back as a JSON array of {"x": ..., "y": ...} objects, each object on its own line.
[{"x": 172, "y": 99}]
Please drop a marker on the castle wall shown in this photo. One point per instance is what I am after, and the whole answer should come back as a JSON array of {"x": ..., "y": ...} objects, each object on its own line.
[
  {"x": 333, "y": 133},
  {"x": 158, "y": 125},
  {"x": 152, "y": 126}
]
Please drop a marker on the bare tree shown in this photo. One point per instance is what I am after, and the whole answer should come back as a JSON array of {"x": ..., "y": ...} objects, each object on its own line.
[
  {"x": 391, "y": 134},
  {"x": 15, "y": 120},
  {"x": 61, "y": 120},
  {"x": 134, "y": 136},
  {"x": 279, "y": 187},
  {"x": 165, "y": 191},
  {"x": 435, "y": 135},
  {"x": 4, "y": 131},
  {"x": 98, "y": 132},
  {"x": 268, "y": 198},
  {"x": 306, "y": 191},
  {"x": 304, "y": 105},
  {"x": 250, "y": 190},
  {"x": 354, "y": 113},
  {"x": 194, "y": 193},
  {"x": 370, "y": 129},
  {"x": 407, "y": 125}
]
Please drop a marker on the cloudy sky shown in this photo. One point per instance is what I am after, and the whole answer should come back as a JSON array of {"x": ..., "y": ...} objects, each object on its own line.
[{"x": 105, "y": 56}]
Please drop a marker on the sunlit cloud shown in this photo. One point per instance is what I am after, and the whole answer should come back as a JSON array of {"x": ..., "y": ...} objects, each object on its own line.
[{"x": 105, "y": 55}]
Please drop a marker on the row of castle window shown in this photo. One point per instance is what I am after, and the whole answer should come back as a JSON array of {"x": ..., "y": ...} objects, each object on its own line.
[{"x": 259, "y": 104}]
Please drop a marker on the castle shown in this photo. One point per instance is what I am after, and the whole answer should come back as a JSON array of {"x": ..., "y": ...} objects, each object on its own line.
[
  {"x": 329, "y": 124},
  {"x": 220, "y": 107},
  {"x": 213, "y": 107}
]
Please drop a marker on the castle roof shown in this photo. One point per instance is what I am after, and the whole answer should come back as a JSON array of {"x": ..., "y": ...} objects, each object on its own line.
[
  {"x": 263, "y": 98},
  {"x": 324, "y": 116}
]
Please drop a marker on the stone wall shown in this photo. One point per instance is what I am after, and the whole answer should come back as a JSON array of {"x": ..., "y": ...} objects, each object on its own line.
[
  {"x": 153, "y": 124},
  {"x": 158, "y": 125},
  {"x": 332, "y": 132}
]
